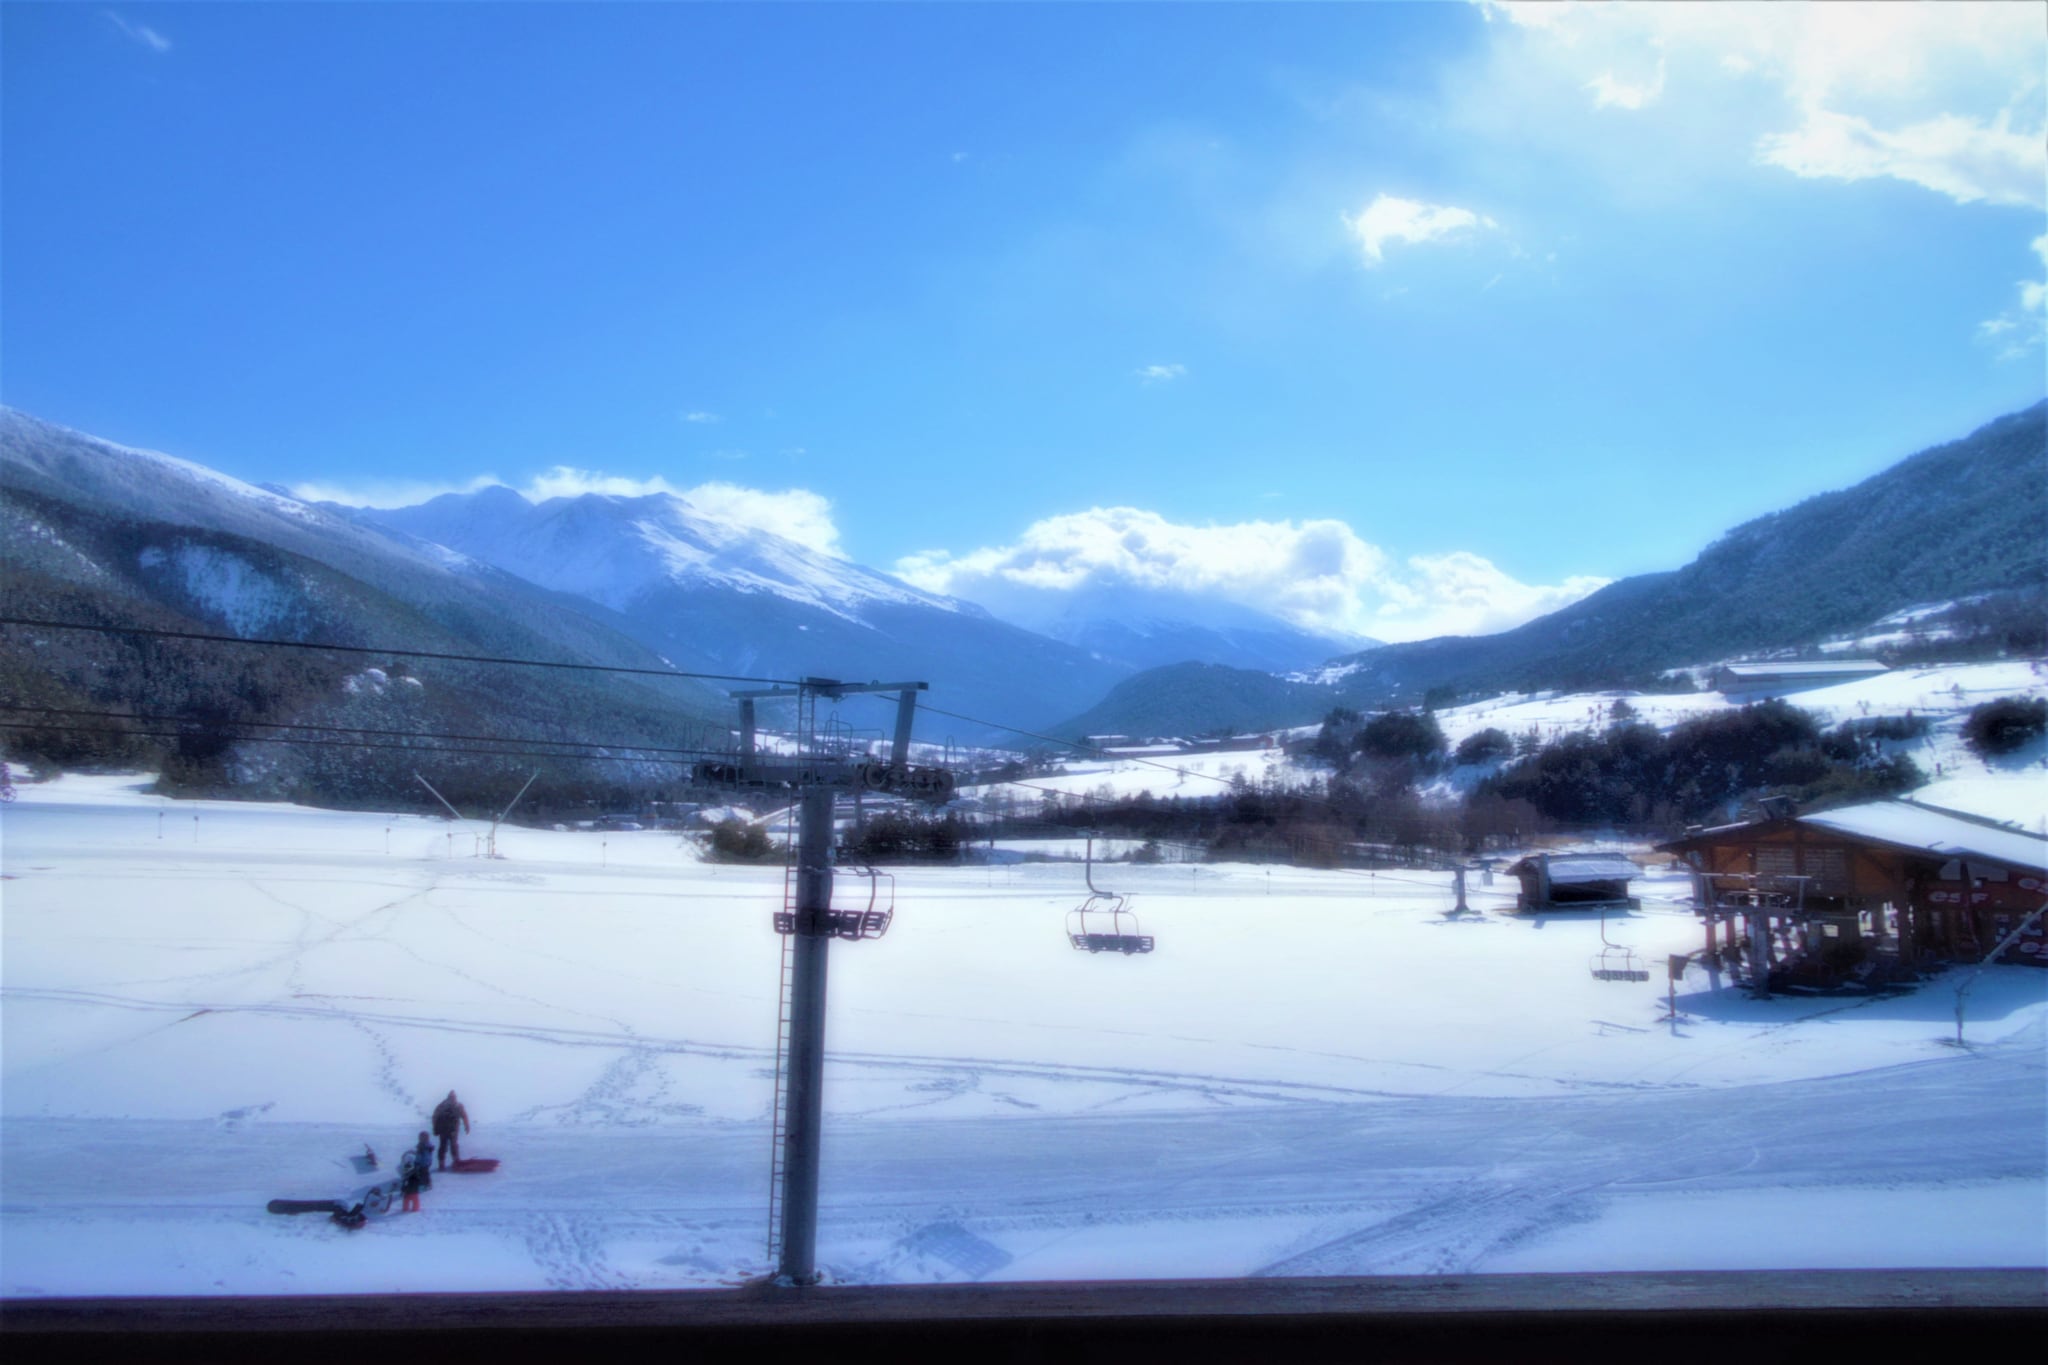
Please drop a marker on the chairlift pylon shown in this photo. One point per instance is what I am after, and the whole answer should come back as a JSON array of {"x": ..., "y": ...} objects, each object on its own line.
[{"x": 1103, "y": 923}]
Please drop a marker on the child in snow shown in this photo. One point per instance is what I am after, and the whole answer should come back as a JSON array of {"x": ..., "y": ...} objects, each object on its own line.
[
  {"x": 423, "y": 1159},
  {"x": 418, "y": 1165}
]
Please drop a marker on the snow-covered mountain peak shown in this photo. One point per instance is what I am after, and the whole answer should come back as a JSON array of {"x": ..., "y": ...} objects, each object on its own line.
[
  {"x": 613, "y": 548},
  {"x": 18, "y": 427},
  {"x": 1146, "y": 626}
]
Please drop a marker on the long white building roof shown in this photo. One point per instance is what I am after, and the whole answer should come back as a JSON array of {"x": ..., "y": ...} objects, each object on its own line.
[
  {"x": 1905, "y": 825},
  {"x": 1806, "y": 668}
]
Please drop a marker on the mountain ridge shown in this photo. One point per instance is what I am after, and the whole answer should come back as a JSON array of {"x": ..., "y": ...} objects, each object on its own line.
[{"x": 1959, "y": 518}]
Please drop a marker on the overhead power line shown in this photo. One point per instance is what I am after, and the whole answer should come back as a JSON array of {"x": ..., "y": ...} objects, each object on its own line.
[
  {"x": 389, "y": 653},
  {"x": 221, "y": 724},
  {"x": 70, "y": 728}
]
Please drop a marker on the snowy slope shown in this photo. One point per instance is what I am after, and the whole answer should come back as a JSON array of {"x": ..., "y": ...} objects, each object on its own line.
[{"x": 1315, "y": 1073}]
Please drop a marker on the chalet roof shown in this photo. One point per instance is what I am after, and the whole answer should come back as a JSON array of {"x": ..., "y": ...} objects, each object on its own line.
[
  {"x": 1805, "y": 668},
  {"x": 1568, "y": 869},
  {"x": 1896, "y": 824},
  {"x": 1905, "y": 825}
]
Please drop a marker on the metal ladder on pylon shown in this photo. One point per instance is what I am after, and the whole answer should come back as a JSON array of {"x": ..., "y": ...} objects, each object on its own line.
[
  {"x": 782, "y": 1024},
  {"x": 806, "y": 726}
]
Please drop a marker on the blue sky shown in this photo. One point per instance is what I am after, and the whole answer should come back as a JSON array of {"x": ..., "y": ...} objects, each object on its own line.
[{"x": 1394, "y": 318}]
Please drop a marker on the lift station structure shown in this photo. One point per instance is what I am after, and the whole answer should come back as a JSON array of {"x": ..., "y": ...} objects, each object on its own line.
[{"x": 816, "y": 773}]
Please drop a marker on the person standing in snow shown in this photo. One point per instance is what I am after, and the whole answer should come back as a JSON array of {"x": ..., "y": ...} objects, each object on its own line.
[
  {"x": 417, "y": 1165},
  {"x": 447, "y": 1114}
]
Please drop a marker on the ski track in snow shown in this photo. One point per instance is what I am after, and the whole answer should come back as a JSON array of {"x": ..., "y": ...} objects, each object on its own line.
[{"x": 1064, "y": 1114}]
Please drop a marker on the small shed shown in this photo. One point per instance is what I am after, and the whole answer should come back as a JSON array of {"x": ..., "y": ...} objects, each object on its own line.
[
  {"x": 1873, "y": 892},
  {"x": 1575, "y": 881}
]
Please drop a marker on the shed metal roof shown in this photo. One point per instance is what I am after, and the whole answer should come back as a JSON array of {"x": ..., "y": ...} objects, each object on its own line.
[{"x": 1570, "y": 869}]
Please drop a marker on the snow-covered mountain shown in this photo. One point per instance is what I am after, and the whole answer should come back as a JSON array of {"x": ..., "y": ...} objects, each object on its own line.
[
  {"x": 1142, "y": 627},
  {"x": 96, "y": 532},
  {"x": 255, "y": 560},
  {"x": 618, "y": 551},
  {"x": 724, "y": 598},
  {"x": 615, "y": 550}
]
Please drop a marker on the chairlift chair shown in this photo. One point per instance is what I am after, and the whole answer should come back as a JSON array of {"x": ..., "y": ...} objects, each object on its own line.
[
  {"x": 1103, "y": 923},
  {"x": 852, "y": 925},
  {"x": 1614, "y": 961},
  {"x": 874, "y": 921}
]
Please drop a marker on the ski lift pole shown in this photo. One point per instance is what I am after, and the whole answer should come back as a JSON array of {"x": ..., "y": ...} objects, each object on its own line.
[
  {"x": 803, "y": 1117},
  {"x": 508, "y": 810},
  {"x": 1963, "y": 988}
]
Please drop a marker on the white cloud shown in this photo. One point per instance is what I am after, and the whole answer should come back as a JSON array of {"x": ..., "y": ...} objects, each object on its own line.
[
  {"x": 567, "y": 481},
  {"x": 1391, "y": 219},
  {"x": 702, "y": 417},
  {"x": 2034, "y": 293},
  {"x": 1611, "y": 92},
  {"x": 1948, "y": 96},
  {"x": 1162, "y": 374},
  {"x": 795, "y": 514},
  {"x": 387, "y": 492},
  {"x": 141, "y": 33},
  {"x": 1465, "y": 594},
  {"x": 2018, "y": 331},
  {"x": 1319, "y": 575},
  {"x": 1966, "y": 160}
]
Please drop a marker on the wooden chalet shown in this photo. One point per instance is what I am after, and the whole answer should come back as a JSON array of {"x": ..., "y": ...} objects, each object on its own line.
[
  {"x": 1865, "y": 894},
  {"x": 1575, "y": 881}
]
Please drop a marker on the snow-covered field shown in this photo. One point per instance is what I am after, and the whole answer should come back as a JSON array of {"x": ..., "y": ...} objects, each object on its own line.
[{"x": 208, "y": 1005}]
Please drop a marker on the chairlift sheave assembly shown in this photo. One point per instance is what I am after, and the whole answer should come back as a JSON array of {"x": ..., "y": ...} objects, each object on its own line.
[{"x": 1103, "y": 923}]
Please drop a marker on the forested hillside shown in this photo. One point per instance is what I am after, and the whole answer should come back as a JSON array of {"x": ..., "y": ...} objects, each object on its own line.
[
  {"x": 1199, "y": 699},
  {"x": 1959, "y": 519},
  {"x": 227, "y": 560}
]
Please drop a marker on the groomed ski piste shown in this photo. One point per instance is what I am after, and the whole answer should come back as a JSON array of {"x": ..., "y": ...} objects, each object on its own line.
[{"x": 208, "y": 1005}]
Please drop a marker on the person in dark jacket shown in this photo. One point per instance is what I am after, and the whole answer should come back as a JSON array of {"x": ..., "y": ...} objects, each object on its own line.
[
  {"x": 417, "y": 1166},
  {"x": 448, "y": 1114}
]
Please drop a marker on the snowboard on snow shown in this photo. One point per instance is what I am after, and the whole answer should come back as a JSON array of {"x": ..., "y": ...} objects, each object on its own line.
[
  {"x": 350, "y": 1216},
  {"x": 306, "y": 1206},
  {"x": 474, "y": 1165}
]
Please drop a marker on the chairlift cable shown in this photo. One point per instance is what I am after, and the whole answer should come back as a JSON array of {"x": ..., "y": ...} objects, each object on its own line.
[
  {"x": 347, "y": 744},
  {"x": 200, "y": 637},
  {"x": 163, "y": 719}
]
